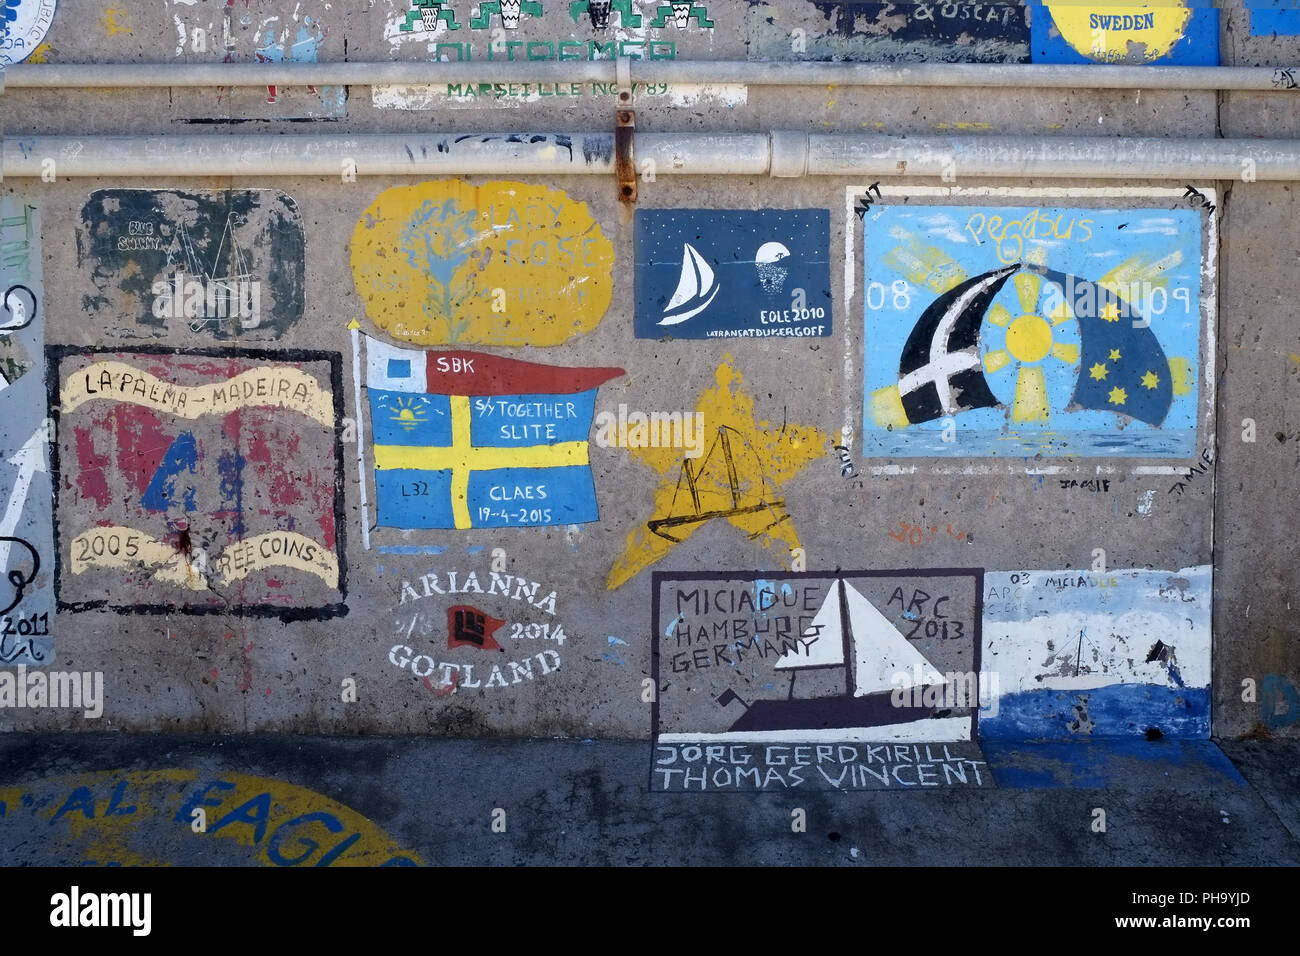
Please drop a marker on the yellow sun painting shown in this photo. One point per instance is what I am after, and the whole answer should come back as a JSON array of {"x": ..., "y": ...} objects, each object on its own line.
[
  {"x": 1039, "y": 340},
  {"x": 410, "y": 411}
]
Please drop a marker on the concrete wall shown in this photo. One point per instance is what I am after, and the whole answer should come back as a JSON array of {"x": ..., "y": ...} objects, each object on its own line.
[{"x": 202, "y": 532}]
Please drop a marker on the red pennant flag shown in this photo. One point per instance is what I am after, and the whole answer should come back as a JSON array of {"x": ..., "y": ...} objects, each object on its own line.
[{"x": 469, "y": 627}]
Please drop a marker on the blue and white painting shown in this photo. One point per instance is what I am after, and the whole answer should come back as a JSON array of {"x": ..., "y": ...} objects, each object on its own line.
[
  {"x": 23, "y": 25},
  {"x": 1082, "y": 655},
  {"x": 1019, "y": 331},
  {"x": 26, "y": 496},
  {"x": 732, "y": 273}
]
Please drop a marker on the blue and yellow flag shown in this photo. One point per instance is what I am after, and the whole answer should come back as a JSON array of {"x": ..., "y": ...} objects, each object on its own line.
[{"x": 468, "y": 440}]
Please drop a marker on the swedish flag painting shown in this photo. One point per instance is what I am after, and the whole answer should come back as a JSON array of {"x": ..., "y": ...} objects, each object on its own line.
[
  {"x": 1026, "y": 330},
  {"x": 469, "y": 440}
]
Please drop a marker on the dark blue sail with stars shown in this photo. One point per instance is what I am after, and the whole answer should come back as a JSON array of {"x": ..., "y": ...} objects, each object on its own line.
[{"x": 1122, "y": 367}]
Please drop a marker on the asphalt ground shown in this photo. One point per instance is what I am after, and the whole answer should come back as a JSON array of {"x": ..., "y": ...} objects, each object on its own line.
[{"x": 108, "y": 799}]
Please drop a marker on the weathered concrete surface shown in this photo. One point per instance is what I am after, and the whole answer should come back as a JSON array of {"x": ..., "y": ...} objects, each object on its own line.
[
  {"x": 1259, "y": 366},
  {"x": 229, "y": 672},
  {"x": 586, "y": 803}
]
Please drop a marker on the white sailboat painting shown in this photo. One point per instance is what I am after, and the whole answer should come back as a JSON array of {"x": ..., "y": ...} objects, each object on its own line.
[
  {"x": 696, "y": 289},
  {"x": 879, "y": 650},
  {"x": 848, "y": 632}
]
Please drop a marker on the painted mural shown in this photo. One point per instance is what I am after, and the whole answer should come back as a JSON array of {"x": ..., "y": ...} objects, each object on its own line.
[
  {"x": 26, "y": 530},
  {"x": 272, "y": 31},
  {"x": 528, "y": 29},
  {"x": 889, "y": 32},
  {"x": 502, "y": 264},
  {"x": 222, "y": 265},
  {"x": 475, "y": 632},
  {"x": 1109, "y": 654},
  {"x": 470, "y": 440},
  {"x": 215, "y": 478},
  {"x": 1034, "y": 329},
  {"x": 24, "y": 25},
  {"x": 814, "y": 657},
  {"x": 548, "y": 30},
  {"x": 1163, "y": 32},
  {"x": 188, "y": 817},
  {"x": 722, "y": 273},
  {"x": 831, "y": 680},
  {"x": 1070, "y": 31},
  {"x": 738, "y": 479},
  {"x": 1008, "y": 324},
  {"x": 816, "y": 664}
]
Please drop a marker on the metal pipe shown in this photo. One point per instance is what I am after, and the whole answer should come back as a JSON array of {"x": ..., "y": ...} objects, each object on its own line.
[
  {"x": 744, "y": 72},
  {"x": 408, "y": 73},
  {"x": 992, "y": 75},
  {"x": 781, "y": 153},
  {"x": 268, "y": 154},
  {"x": 1054, "y": 157}
]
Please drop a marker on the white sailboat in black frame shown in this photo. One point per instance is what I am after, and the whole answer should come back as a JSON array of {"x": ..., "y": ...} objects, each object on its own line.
[{"x": 849, "y": 632}]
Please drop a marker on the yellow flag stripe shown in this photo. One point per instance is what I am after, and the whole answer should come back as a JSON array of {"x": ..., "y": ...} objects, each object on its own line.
[
  {"x": 460, "y": 440},
  {"x": 481, "y": 459},
  {"x": 887, "y": 407},
  {"x": 461, "y": 457}
]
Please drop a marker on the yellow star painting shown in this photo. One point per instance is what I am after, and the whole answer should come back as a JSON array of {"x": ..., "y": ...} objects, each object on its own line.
[{"x": 738, "y": 478}]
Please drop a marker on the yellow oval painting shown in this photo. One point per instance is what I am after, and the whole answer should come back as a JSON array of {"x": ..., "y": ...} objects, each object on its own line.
[
  {"x": 1120, "y": 32},
  {"x": 502, "y": 263}
]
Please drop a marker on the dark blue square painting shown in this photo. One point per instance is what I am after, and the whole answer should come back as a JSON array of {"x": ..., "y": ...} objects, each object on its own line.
[{"x": 732, "y": 273}]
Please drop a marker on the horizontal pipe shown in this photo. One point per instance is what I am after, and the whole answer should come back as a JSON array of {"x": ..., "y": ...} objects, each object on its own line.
[
  {"x": 268, "y": 154},
  {"x": 744, "y": 72},
  {"x": 1054, "y": 157},
  {"x": 141, "y": 75},
  {"x": 713, "y": 154},
  {"x": 989, "y": 75}
]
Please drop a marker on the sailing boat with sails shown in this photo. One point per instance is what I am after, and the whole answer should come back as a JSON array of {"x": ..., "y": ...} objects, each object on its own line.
[
  {"x": 696, "y": 288},
  {"x": 698, "y": 512},
  {"x": 229, "y": 286},
  {"x": 849, "y": 632}
]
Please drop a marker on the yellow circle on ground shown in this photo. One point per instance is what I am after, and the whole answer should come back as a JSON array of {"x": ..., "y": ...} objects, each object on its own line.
[
  {"x": 1029, "y": 338},
  {"x": 1120, "y": 32}
]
